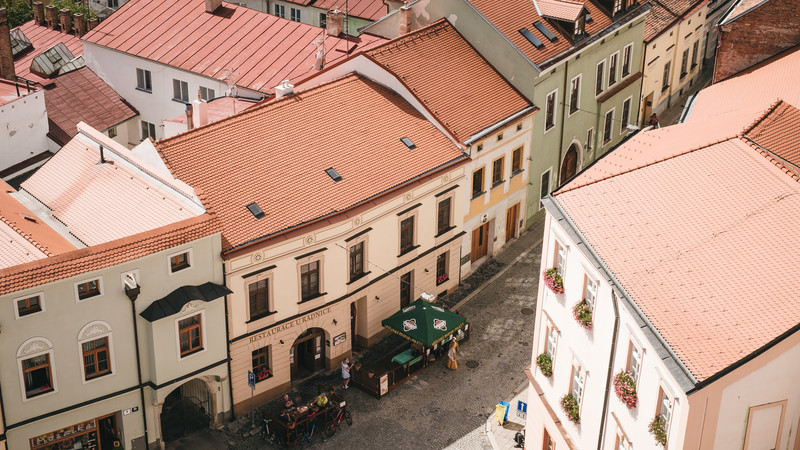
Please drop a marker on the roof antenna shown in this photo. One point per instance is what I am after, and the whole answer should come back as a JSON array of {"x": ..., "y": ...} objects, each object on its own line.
[{"x": 102, "y": 157}]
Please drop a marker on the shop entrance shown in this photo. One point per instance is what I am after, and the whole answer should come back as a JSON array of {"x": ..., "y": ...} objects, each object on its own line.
[
  {"x": 480, "y": 242},
  {"x": 95, "y": 434},
  {"x": 185, "y": 410},
  {"x": 307, "y": 353}
]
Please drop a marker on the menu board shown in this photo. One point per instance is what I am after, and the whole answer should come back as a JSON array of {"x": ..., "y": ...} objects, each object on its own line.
[{"x": 385, "y": 384}]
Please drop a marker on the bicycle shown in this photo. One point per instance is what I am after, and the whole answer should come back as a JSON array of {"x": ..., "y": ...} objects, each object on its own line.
[
  {"x": 266, "y": 434},
  {"x": 332, "y": 427},
  {"x": 305, "y": 438}
]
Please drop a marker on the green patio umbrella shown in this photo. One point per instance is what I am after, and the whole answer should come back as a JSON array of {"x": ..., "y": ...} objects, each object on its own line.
[{"x": 424, "y": 323}]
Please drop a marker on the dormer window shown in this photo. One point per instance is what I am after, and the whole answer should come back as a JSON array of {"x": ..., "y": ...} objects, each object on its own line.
[{"x": 580, "y": 25}]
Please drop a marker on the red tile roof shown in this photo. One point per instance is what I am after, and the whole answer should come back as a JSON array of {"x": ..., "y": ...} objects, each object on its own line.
[
  {"x": 81, "y": 96},
  {"x": 363, "y": 9},
  {"x": 275, "y": 154},
  {"x": 560, "y": 9},
  {"x": 262, "y": 49},
  {"x": 513, "y": 15},
  {"x": 11, "y": 91},
  {"x": 43, "y": 38},
  {"x": 431, "y": 61},
  {"x": 97, "y": 257},
  {"x": 665, "y": 12},
  {"x": 218, "y": 109},
  {"x": 778, "y": 132}
]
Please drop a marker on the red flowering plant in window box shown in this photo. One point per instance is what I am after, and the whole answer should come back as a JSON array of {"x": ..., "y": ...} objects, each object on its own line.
[
  {"x": 553, "y": 280},
  {"x": 625, "y": 387},
  {"x": 442, "y": 278},
  {"x": 570, "y": 406},
  {"x": 583, "y": 314},
  {"x": 263, "y": 373}
]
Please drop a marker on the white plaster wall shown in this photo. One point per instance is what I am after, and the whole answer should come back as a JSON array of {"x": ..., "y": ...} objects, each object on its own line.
[{"x": 23, "y": 128}]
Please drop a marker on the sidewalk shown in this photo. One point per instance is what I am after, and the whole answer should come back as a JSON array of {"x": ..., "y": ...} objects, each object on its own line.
[
  {"x": 502, "y": 437},
  {"x": 671, "y": 115}
]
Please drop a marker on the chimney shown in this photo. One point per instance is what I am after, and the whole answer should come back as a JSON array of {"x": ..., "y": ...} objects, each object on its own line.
[
  {"x": 6, "y": 56},
  {"x": 189, "y": 117},
  {"x": 80, "y": 25},
  {"x": 51, "y": 16},
  {"x": 93, "y": 23},
  {"x": 284, "y": 89},
  {"x": 405, "y": 19},
  {"x": 319, "y": 59},
  {"x": 200, "y": 110},
  {"x": 38, "y": 13},
  {"x": 212, "y": 5},
  {"x": 335, "y": 22},
  {"x": 66, "y": 20}
]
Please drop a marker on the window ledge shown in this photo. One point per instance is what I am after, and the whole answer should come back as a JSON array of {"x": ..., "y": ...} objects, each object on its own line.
[
  {"x": 515, "y": 173},
  {"x": 178, "y": 269},
  {"x": 477, "y": 194},
  {"x": 498, "y": 183},
  {"x": 360, "y": 276},
  {"x": 88, "y": 296},
  {"x": 439, "y": 283},
  {"x": 97, "y": 377},
  {"x": 408, "y": 250},
  {"x": 313, "y": 297},
  {"x": 683, "y": 75},
  {"x": 185, "y": 102},
  {"x": 186, "y": 355},
  {"x": 149, "y": 91},
  {"x": 445, "y": 230},
  {"x": 261, "y": 316},
  {"x": 664, "y": 88}
]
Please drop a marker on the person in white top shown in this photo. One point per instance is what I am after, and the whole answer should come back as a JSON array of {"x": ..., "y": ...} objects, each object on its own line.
[{"x": 346, "y": 366}]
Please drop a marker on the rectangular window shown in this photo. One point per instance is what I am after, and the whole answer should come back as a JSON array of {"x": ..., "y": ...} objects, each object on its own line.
[
  {"x": 29, "y": 305},
  {"x": 113, "y": 3},
  {"x": 258, "y": 293},
  {"x": 180, "y": 90},
  {"x": 112, "y": 132},
  {"x": 294, "y": 14},
  {"x": 497, "y": 171},
  {"x": 261, "y": 364},
  {"x": 206, "y": 94},
  {"x": 37, "y": 375},
  {"x": 95, "y": 358},
  {"x": 626, "y": 113},
  {"x": 441, "y": 269},
  {"x": 612, "y": 70},
  {"x": 356, "y": 260},
  {"x": 143, "y": 80},
  {"x": 634, "y": 362},
  {"x": 665, "y": 80},
  {"x": 601, "y": 70},
  {"x": 477, "y": 182},
  {"x": 589, "y": 139},
  {"x": 607, "y": 127},
  {"x": 550, "y": 114},
  {"x": 544, "y": 187},
  {"x": 665, "y": 408},
  {"x": 516, "y": 160},
  {"x": 443, "y": 216},
  {"x": 552, "y": 340},
  {"x": 88, "y": 289},
  {"x": 617, "y": 6},
  {"x": 626, "y": 60},
  {"x": 323, "y": 20},
  {"x": 577, "y": 385},
  {"x": 148, "y": 130},
  {"x": 589, "y": 291},
  {"x": 179, "y": 262},
  {"x": 684, "y": 62},
  {"x": 694, "y": 54},
  {"x": 547, "y": 442},
  {"x": 499, "y": 137},
  {"x": 405, "y": 289},
  {"x": 561, "y": 259},
  {"x": 309, "y": 280},
  {"x": 574, "y": 94},
  {"x": 280, "y": 11},
  {"x": 190, "y": 333},
  {"x": 406, "y": 235}
]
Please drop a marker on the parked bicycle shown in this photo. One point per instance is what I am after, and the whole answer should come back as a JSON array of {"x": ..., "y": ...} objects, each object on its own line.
[
  {"x": 267, "y": 434},
  {"x": 305, "y": 438},
  {"x": 334, "y": 424}
]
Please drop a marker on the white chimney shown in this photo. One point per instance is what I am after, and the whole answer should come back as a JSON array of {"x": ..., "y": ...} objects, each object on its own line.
[
  {"x": 284, "y": 89},
  {"x": 319, "y": 59},
  {"x": 334, "y": 24},
  {"x": 200, "y": 112}
]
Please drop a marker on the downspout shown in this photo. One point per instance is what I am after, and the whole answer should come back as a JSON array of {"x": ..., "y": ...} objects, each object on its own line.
[
  {"x": 3, "y": 415},
  {"x": 132, "y": 294},
  {"x": 563, "y": 119},
  {"x": 610, "y": 370},
  {"x": 227, "y": 342}
]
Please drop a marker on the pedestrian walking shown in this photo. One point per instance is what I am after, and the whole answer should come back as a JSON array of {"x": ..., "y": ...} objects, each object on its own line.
[
  {"x": 452, "y": 364},
  {"x": 654, "y": 121},
  {"x": 346, "y": 366}
]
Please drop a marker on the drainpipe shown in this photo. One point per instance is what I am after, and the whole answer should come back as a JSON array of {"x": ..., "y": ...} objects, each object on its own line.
[
  {"x": 3, "y": 416},
  {"x": 228, "y": 343},
  {"x": 132, "y": 294},
  {"x": 610, "y": 370},
  {"x": 564, "y": 107}
]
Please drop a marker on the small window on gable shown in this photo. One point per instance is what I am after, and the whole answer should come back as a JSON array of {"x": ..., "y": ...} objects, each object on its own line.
[
  {"x": 179, "y": 261},
  {"x": 29, "y": 305},
  {"x": 88, "y": 289}
]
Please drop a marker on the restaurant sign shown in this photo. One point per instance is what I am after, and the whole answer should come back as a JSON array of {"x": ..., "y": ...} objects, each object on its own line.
[
  {"x": 63, "y": 433},
  {"x": 290, "y": 324},
  {"x": 339, "y": 339}
]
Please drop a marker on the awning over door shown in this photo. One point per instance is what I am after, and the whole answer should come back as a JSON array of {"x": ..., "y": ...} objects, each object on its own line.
[{"x": 175, "y": 300}]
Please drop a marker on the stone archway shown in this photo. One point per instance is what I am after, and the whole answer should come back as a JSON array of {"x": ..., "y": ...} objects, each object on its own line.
[
  {"x": 190, "y": 407},
  {"x": 570, "y": 165},
  {"x": 308, "y": 353}
]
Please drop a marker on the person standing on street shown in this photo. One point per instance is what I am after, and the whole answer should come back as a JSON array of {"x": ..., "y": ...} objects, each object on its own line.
[
  {"x": 452, "y": 364},
  {"x": 346, "y": 366},
  {"x": 654, "y": 121}
]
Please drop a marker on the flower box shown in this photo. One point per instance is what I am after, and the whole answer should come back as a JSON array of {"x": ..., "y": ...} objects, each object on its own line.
[
  {"x": 554, "y": 281},
  {"x": 545, "y": 363},
  {"x": 583, "y": 314},
  {"x": 625, "y": 387},
  {"x": 263, "y": 374},
  {"x": 570, "y": 406},
  {"x": 658, "y": 428},
  {"x": 442, "y": 278}
]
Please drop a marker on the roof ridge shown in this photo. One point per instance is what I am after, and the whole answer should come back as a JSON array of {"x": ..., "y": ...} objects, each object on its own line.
[
  {"x": 25, "y": 235},
  {"x": 416, "y": 34},
  {"x": 757, "y": 121},
  {"x": 777, "y": 161}
]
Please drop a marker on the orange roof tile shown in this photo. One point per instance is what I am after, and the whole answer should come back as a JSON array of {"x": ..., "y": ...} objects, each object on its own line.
[
  {"x": 9, "y": 90},
  {"x": 430, "y": 63},
  {"x": 513, "y": 15},
  {"x": 363, "y": 9},
  {"x": 97, "y": 257},
  {"x": 275, "y": 154},
  {"x": 81, "y": 96},
  {"x": 262, "y": 49},
  {"x": 42, "y": 38},
  {"x": 220, "y": 108},
  {"x": 778, "y": 132},
  {"x": 560, "y": 9},
  {"x": 664, "y": 13},
  {"x": 97, "y": 202}
]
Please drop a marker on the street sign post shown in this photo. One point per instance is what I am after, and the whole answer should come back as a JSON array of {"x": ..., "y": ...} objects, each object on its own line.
[{"x": 251, "y": 381}]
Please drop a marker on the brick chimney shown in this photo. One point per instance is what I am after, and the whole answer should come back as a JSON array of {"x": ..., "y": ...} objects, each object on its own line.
[
  {"x": 405, "y": 19},
  {"x": 212, "y": 5},
  {"x": 66, "y": 20},
  {"x": 80, "y": 25},
  {"x": 335, "y": 22},
  {"x": 51, "y": 16},
  {"x": 93, "y": 23},
  {"x": 6, "y": 57},
  {"x": 284, "y": 89},
  {"x": 38, "y": 13}
]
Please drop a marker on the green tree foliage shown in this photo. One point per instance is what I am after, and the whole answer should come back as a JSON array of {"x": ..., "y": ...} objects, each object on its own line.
[
  {"x": 74, "y": 7},
  {"x": 19, "y": 11}
]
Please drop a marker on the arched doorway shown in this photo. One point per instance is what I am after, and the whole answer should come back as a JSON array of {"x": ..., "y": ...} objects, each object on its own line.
[
  {"x": 307, "y": 354},
  {"x": 570, "y": 165},
  {"x": 186, "y": 409}
]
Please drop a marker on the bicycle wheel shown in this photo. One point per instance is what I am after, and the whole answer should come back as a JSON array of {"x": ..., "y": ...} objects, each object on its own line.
[
  {"x": 348, "y": 418},
  {"x": 330, "y": 430},
  {"x": 302, "y": 439}
]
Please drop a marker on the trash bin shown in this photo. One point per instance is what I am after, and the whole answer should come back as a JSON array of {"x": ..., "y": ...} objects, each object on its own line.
[{"x": 508, "y": 406}]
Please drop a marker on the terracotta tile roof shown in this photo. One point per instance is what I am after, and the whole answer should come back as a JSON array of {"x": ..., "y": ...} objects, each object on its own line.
[
  {"x": 560, "y": 9},
  {"x": 275, "y": 155},
  {"x": 363, "y": 9},
  {"x": 97, "y": 257},
  {"x": 98, "y": 202},
  {"x": 741, "y": 7},
  {"x": 513, "y": 15},
  {"x": 9, "y": 89},
  {"x": 262, "y": 49},
  {"x": 778, "y": 132},
  {"x": 219, "y": 108},
  {"x": 430, "y": 63},
  {"x": 664, "y": 12},
  {"x": 25, "y": 237},
  {"x": 42, "y": 38},
  {"x": 81, "y": 96}
]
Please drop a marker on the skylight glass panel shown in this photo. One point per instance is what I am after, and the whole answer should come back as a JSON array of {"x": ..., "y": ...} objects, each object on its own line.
[
  {"x": 545, "y": 31},
  {"x": 256, "y": 210},
  {"x": 531, "y": 38},
  {"x": 409, "y": 143},
  {"x": 333, "y": 174}
]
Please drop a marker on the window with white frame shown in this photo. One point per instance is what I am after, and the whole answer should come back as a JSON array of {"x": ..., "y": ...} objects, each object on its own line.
[
  {"x": 294, "y": 14},
  {"x": 180, "y": 261},
  {"x": 28, "y": 305},
  {"x": 664, "y": 408},
  {"x": 148, "y": 130},
  {"x": 544, "y": 187},
  {"x": 560, "y": 262},
  {"x": 627, "y": 54},
  {"x": 607, "y": 129},
  {"x": 574, "y": 95},
  {"x": 552, "y": 340},
  {"x": 88, "y": 288},
  {"x": 576, "y": 385},
  {"x": 634, "y": 362},
  {"x": 190, "y": 334},
  {"x": 180, "y": 90},
  {"x": 612, "y": 69},
  {"x": 37, "y": 374},
  {"x": 207, "y": 94},
  {"x": 601, "y": 71},
  {"x": 626, "y": 115},
  {"x": 589, "y": 139},
  {"x": 622, "y": 442},
  {"x": 590, "y": 291},
  {"x": 144, "y": 80},
  {"x": 280, "y": 11},
  {"x": 550, "y": 110}
]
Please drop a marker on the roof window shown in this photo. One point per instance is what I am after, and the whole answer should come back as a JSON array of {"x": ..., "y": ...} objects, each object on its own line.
[
  {"x": 545, "y": 31},
  {"x": 409, "y": 143},
  {"x": 588, "y": 18},
  {"x": 531, "y": 38},
  {"x": 256, "y": 210},
  {"x": 333, "y": 174}
]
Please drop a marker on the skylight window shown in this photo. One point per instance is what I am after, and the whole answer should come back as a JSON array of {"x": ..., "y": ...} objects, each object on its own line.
[
  {"x": 409, "y": 143},
  {"x": 256, "y": 210},
  {"x": 333, "y": 174},
  {"x": 531, "y": 38},
  {"x": 588, "y": 18},
  {"x": 545, "y": 31}
]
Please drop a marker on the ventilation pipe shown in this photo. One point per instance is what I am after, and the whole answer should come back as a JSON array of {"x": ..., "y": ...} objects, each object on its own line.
[{"x": 284, "y": 89}]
